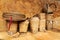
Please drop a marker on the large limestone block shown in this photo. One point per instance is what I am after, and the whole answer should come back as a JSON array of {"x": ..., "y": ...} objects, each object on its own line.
[
  {"x": 56, "y": 23},
  {"x": 42, "y": 16},
  {"x": 49, "y": 25},
  {"x": 3, "y": 26},
  {"x": 34, "y": 24},
  {"x": 23, "y": 27},
  {"x": 13, "y": 27},
  {"x": 42, "y": 25},
  {"x": 15, "y": 16},
  {"x": 49, "y": 21}
]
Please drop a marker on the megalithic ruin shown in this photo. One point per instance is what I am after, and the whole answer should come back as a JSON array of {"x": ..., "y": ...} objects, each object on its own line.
[
  {"x": 49, "y": 21},
  {"x": 50, "y": 16},
  {"x": 13, "y": 27},
  {"x": 3, "y": 25},
  {"x": 56, "y": 24},
  {"x": 34, "y": 24},
  {"x": 42, "y": 22},
  {"x": 23, "y": 27}
]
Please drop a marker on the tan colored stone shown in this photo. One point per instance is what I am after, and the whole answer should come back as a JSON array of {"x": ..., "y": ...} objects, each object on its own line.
[
  {"x": 49, "y": 16},
  {"x": 13, "y": 27},
  {"x": 23, "y": 27},
  {"x": 56, "y": 23},
  {"x": 2, "y": 23},
  {"x": 49, "y": 21},
  {"x": 42, "y": 16},
  {"x": 42, "y": 25},
  {"x": 34, "y": 24}
]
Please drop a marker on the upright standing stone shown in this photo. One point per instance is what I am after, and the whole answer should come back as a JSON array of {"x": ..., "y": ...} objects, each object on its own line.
[
  {"x": 34, "y": 24},
  {"x": 49, "y": 21},
  {"x": 42, "y": 22},
  {"x": 23, "y": 27},
  {"x": 13, "y": 27},
  {"x": 3, "y": 25}
]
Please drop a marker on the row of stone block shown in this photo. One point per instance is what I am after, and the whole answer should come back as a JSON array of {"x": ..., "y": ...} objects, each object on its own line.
[{"x": 36, "y": 24}]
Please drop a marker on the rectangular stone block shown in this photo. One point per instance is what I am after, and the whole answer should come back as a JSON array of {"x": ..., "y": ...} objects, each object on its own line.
[
  {"x": 42, "y": 25},
  {"x": 42, "y": 16},
  {"x": 34, "y": 24},
  {"x": 23, "y": 27},
  {"x": 13, "y": 27},
  {"x": 2, "y": 23},
  {"x": 49, "y": 21}
]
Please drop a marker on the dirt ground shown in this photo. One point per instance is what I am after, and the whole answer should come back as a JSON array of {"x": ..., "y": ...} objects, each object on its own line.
[{"x": 48, "y": 35}]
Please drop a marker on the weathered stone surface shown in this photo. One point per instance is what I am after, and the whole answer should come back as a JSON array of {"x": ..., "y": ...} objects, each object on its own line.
[
  {"x": 13, "y": 27},
  {"x": 23, "y": 27},
  {"x": 56, "y": 23},
  {"x": 34, "y": 24}
]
